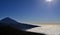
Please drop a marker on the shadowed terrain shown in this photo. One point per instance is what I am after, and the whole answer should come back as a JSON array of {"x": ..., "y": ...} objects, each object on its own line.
[
  {"x": 7, "y": 30},
  {"x": 11, "y": 27},
  {"x": 17, "y": 25}
]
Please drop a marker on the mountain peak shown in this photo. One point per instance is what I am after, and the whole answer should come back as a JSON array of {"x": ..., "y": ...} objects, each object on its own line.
[
  {"x": 8, "y": 20},
  {"x": 17, "y": 25}
]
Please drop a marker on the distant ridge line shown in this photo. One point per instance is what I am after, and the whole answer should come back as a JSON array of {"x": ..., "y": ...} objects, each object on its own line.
[{"x": 15, "y": 24}]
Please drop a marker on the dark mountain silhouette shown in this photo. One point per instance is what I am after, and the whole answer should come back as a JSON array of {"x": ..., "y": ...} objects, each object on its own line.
[
  {"x": 15, "y": 24},
  {"x": 11, "y": 27},
  {"x": 8, "y": 30}
]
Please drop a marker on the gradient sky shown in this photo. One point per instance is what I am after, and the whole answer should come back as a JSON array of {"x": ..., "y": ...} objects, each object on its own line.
[{"x": 31, "y": 11}]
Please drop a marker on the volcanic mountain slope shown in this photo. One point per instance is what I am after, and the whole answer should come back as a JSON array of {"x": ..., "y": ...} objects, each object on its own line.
[
  {"x": 9, "y": 27},
  {"x": 15, "y": 24},
  {"x": 7, "y": 30}
]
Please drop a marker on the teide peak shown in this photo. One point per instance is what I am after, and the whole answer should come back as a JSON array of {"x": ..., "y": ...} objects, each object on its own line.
[{"x": 21, "y": 26}]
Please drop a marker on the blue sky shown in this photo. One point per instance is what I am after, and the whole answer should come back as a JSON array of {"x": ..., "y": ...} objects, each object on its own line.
[{"x": 32, "y": 11}]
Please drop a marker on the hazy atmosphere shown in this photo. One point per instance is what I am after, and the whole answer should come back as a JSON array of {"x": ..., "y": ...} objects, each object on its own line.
[{"x": 31, "y": 11}]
